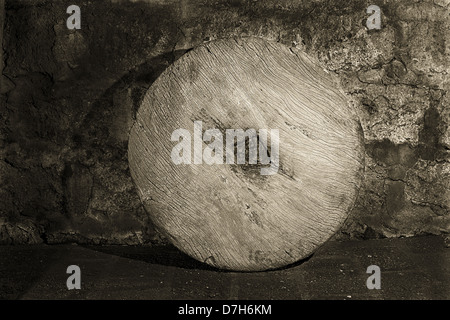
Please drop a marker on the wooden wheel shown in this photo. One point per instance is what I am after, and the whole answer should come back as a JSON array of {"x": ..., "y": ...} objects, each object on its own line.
[{"x": 230, "y": 215}]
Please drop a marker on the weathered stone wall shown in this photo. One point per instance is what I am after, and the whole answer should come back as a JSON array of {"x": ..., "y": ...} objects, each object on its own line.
[{"x": 69, "y": 99}]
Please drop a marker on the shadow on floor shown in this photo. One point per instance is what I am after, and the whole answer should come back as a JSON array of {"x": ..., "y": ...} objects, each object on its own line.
[{"x": 167, "y": 255}]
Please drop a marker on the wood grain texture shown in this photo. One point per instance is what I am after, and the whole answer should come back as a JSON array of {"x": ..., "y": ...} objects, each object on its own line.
[{"x": 226, "y": 215}]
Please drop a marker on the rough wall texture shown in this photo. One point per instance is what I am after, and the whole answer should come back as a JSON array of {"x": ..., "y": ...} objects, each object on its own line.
[{"x": 69, "y": 99}]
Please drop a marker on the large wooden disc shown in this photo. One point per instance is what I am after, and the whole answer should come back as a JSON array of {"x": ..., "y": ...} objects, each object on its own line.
[{"x": 230, "y": 215}]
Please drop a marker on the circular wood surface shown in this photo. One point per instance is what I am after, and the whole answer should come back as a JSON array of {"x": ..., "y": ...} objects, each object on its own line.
[{"x": 230, "y": 215}]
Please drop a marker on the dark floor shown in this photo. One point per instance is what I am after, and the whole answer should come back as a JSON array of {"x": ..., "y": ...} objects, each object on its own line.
[{"x": 411, "y": 268}]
